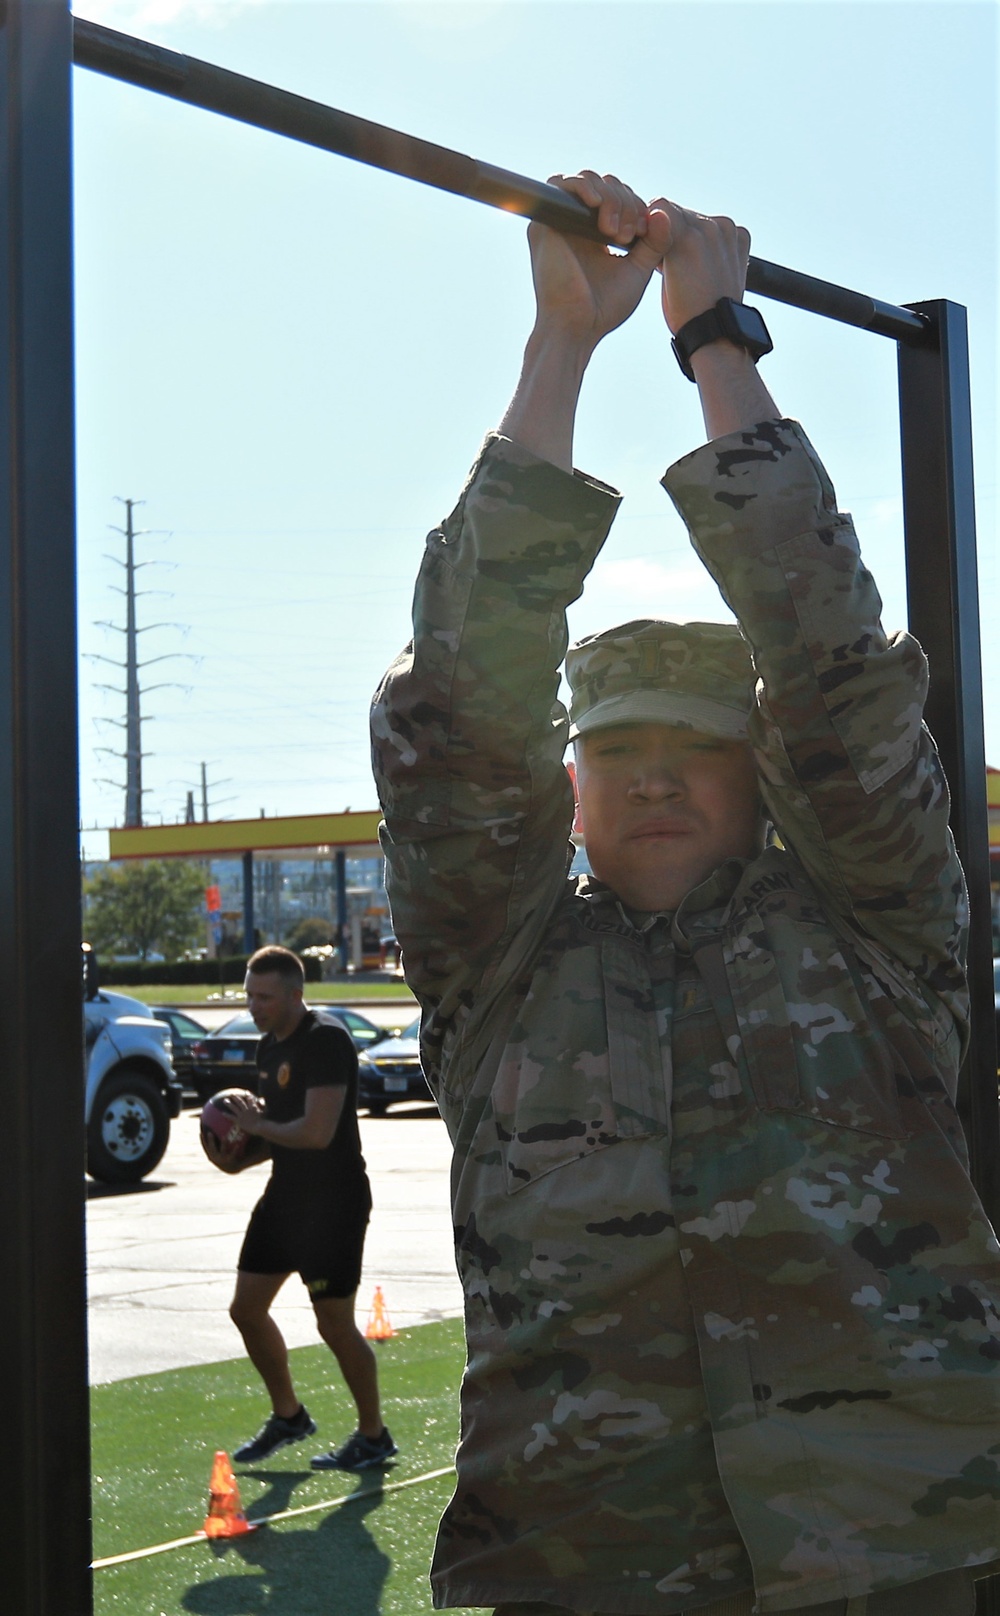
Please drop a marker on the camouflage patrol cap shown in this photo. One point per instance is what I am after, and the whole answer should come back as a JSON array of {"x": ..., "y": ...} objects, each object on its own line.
[{"x": 695, "y": 675}]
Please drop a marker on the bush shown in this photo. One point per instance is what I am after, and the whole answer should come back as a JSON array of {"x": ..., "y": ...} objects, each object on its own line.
[
  {"x": 313, "y": 932},
  {"x": 201, "y": 972}
]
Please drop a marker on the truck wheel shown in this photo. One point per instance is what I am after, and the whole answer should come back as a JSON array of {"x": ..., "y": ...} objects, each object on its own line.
[{"x": 128, "y": 1130}]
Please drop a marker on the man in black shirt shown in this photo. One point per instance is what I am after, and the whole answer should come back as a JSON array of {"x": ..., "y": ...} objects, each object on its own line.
[{"x": 312, "y": 1217}]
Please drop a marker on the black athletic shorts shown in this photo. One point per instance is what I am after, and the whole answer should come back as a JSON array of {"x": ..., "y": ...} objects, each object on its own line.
[{"x": 321, "y": 1243}]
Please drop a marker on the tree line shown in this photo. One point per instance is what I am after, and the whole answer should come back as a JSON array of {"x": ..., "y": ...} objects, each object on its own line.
[{"x": 157, "y": 906}]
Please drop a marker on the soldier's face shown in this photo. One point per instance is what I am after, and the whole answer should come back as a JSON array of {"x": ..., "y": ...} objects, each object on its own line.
[{"x": 661, "y": 807}]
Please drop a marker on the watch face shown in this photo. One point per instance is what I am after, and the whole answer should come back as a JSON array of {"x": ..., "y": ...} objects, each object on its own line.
[{"x": 746, "y": 326}]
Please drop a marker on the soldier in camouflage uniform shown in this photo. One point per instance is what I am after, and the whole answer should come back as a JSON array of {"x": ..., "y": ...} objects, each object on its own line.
[{"x": 731, "y": 1300}]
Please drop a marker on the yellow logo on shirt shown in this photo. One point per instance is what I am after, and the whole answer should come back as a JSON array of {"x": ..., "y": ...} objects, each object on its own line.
[{"x": 284, "y": 1075}]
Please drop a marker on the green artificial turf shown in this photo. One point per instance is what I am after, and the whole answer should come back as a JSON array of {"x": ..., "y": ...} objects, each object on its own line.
[
  {"x": 351, "y": 990},
  {"x": 153, "y": 1443}
]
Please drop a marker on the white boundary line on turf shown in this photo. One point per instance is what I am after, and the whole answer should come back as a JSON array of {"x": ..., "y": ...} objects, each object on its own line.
[{"x": 264, "y": 1520}]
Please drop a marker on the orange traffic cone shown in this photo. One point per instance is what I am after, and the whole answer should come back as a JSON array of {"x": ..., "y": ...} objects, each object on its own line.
[
  {"x": 379, "y": 1324},
  {"x": 225, "y": 1516}
]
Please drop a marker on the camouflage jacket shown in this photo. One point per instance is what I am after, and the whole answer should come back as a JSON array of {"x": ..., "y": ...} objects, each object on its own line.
[{"x": 730, "y": 1296}]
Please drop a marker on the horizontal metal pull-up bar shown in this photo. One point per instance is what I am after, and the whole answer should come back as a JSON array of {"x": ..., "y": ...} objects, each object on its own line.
[{"x": 215, "y": 89}]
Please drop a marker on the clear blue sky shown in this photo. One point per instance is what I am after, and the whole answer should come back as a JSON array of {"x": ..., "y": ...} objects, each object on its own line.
[{"x": 291, "y": 359}]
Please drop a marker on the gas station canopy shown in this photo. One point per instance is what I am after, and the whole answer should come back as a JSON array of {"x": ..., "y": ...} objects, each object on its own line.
[{"x": 297, "y": 835}]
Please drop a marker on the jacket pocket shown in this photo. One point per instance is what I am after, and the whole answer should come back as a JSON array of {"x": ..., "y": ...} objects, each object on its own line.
[
  {"x": 808, "y": 1034},
  {"x": 584, "y": 1065}
]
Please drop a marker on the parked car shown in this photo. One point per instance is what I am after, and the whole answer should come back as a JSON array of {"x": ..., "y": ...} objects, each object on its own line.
[
  {"x": 185, "y": 1032},
  {"x": 132, "y": 1091},
  {"x": 220, "y": 1057},
  {"x": 391, "y": 1072}
]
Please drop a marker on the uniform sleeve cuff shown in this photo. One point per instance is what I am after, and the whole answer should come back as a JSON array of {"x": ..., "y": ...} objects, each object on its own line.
[
  {"x": 572, "y": 486},
  {"x": 522, "y": 523},
  {"x": 757, "y": 487}
]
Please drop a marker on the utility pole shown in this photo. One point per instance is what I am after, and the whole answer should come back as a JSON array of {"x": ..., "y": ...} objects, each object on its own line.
[
  {"x": 206, "y": 786},
  {"x": 133, "y": 720},
  {"x": 133, "y": 714},
  {"x": 132, "y": 723}
]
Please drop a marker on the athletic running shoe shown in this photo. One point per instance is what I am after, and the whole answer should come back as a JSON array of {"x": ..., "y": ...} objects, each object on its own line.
[
  {"x": 275, "y": 1433},
  {"x": 358, "y": 1453}
]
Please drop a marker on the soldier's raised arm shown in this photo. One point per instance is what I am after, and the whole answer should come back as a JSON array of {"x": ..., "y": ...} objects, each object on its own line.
[
  {"x": 468, "y": 734},
  {"x": 582, "y": 292},
  {"x": 849, "y": 773}
]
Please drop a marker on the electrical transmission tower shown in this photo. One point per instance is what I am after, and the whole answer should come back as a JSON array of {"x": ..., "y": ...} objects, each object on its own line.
[
  {"x": 132, "y": 722},
  {"x": 206, "y": 786}
]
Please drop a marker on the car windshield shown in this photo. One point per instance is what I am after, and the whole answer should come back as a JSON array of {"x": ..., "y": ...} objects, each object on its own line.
[
  {"x": 412, "y": 1031},
  {"x": 360, "y": 1028},
  {"x": 183, "y": 1026},
  {"x": 239, "y": 1027}
]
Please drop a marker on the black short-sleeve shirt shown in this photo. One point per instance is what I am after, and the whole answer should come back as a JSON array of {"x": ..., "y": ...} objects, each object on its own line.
[{"x": 317, "y": 1054}]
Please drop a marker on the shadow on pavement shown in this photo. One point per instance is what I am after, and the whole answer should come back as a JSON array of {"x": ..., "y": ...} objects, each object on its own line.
[
  {"x": 417, "y": 1112},
  {"x": 146, "y": 1186},
  {"x": 335, "y": 1566}
]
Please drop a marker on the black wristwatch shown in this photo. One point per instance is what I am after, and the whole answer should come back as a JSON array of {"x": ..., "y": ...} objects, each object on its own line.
[{"x": 728, "y": 320}]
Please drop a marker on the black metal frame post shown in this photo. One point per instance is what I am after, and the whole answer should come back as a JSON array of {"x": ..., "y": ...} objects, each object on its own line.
[
  {"x": 45, "y": 1520},
  {"x": 943, "y": 608}
]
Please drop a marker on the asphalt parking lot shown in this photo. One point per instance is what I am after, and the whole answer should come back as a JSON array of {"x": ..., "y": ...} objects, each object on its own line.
[{"x": 161, "y": 1254}]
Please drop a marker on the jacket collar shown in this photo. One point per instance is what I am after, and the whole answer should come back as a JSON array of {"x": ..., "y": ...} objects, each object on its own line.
[{"x": 702, "y": 910}]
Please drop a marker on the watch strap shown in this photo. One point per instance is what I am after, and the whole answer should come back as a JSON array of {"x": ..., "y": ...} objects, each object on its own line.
[{"x": 714, "y": 325}]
